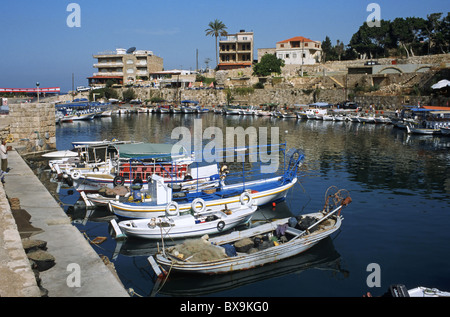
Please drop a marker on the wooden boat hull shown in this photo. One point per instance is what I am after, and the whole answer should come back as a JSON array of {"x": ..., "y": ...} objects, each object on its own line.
[{"x": 247, "y": 261}]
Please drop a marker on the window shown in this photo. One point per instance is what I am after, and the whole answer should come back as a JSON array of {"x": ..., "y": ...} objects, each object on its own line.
[
  {"x": 130, "y": 71},
  {"x": 287, "y": 55},
  {"x": 294, "y": 55},
  {"x": 129, "y": 61}
]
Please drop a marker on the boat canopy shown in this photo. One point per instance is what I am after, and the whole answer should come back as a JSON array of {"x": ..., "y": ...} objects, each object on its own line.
[
  {"x": 190, "y": 101},
  {"x": 151, "y": 151}
]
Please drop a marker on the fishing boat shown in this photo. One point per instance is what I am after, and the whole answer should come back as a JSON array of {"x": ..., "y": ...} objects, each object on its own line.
[
  {"x": 82, "y": 115},
  {"x": 232, "y": 110},
  {"x": 263, "y": 113},
  {"x": 445, "y": 131},
  {"x": 257, "y": 246},
  {"x": 301, "y": 115},
  {"x": 247, "y": 111},
  {"x": 85, "y": 157},
  {"x": 136, "y": 162},
  {"x": 177, "y": 110},
  {"x": 366, "y": 119},
  {"x": 412, "y": 129},
  {"x": 400, "y": 290},
  {"x": 188, "y": 225},
  {"x": 164, "y": 200}
]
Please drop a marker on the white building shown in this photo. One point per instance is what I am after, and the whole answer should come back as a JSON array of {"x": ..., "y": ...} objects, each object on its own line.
[{"x": 299, "y": 50}]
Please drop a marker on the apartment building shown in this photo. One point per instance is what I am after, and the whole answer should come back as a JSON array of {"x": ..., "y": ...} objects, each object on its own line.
[
  {"x": 299, "y": 50},
  {"x": 236, "y": 50},
  {"x": 124, "y": 66}
]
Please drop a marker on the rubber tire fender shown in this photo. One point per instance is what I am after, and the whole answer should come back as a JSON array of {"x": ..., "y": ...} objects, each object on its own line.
[
  {"x": 197, "y": 201},
  {"x": 220, "y": 226},
  {"x": 118, "y": 181},
  {"x": 246, "y": 199},
  {"x": 172, "y": 204}
]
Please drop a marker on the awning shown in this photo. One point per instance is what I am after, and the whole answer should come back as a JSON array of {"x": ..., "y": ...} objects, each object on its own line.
[{"x": 160, "y": 152}]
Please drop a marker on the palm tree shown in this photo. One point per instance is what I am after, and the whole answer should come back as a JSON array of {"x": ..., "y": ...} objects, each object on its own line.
[{"x": 216, "y": 28}]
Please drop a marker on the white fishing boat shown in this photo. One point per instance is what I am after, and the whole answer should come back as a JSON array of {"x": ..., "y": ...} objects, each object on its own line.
[
  {"x": 400, "y": 290},
  {"x": 301, "y": 115},
  {"x": 366, "y": 119},
  {"x": 137, "y": 162},
  {"x": 247, "y": 111},
  {"x": 83, "y": 115},
  {"x": 188, "y": 109},
  {"x": 264, "y": 113},
  {"x": 232, "y": 110},
  {"x": 85, "y": 157},
  {"x": 188, "y": 225},
  {"x": 382, "y": 119},
  {"x": 339, "y": 117},
  {"x": 445, "y": 131},
  {"x": 274, "y": 241},
  {"x": 419, "y": 130}
]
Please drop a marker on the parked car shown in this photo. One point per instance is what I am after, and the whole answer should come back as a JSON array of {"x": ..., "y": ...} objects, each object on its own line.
[{"x": 83, "y": 88}]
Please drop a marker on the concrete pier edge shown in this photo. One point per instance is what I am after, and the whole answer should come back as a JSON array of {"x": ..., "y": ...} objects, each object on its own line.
[{"x": 78, "y": 270}]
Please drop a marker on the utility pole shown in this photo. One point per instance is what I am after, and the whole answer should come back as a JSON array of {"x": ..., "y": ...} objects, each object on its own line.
[
  {"x": 73, "y": 88},
  {"x": 196, "y": 65}
]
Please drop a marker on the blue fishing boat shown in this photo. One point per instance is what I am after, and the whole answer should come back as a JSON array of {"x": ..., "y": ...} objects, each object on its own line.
[{"x": 161, "y": 199}]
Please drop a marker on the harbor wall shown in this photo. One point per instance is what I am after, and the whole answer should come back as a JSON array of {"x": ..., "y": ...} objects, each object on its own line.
[{"x": 32, "y": 126}]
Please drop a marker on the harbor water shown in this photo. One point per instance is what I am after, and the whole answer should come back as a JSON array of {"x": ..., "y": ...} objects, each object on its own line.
[{"x": 396, "y": 230}]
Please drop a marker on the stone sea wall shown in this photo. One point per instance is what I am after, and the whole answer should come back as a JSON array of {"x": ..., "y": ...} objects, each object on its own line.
[{"x": 32, "y": 125}]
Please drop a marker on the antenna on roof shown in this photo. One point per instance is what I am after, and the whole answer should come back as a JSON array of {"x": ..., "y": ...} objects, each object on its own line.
[{"x": 131, "y": 50}]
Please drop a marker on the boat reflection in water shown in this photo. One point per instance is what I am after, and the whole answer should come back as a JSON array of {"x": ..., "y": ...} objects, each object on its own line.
[{"x": 323, "y": 256}]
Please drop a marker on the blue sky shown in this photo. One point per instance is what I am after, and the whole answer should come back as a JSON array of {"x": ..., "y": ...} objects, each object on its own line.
[{"x": 37, "y": 45}]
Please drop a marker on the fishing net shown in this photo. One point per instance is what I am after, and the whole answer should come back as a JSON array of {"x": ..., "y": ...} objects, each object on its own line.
[{"x": 198, "y": 250}]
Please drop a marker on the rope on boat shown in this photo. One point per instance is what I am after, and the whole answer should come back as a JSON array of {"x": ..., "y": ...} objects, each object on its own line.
[
  {"x": 165, "y": 279},
  {"x": 133, "y": 293}
]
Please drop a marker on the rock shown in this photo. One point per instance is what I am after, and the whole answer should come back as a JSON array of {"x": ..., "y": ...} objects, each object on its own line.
[
  {"x": 33, "y": 245},
  {"x": 42, "y": 259}
]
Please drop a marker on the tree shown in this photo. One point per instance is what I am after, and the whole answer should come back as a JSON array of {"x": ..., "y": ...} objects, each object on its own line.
[
  {"x": 372, "y": 41},
  {"x": 408, "y": 33},
  {"x": 269, "y": 64},
  {"x": 129, "y": 94},
  {"x": 327, "y": 50},
  {"x": 216, "y": 28}
]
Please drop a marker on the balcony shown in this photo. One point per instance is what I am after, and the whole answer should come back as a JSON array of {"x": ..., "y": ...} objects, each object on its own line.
[
  {"x": 108, "y": 74},
  {"x": 108, "y": 65}
]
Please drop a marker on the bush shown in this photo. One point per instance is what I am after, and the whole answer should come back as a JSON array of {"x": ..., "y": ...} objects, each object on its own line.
[
  {"x": 258, "y": 85},
  {"x": 129, "y": 94}
]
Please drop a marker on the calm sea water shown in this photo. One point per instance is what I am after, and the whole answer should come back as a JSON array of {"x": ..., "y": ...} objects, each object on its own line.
[{"x": 399, "y": 218}]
